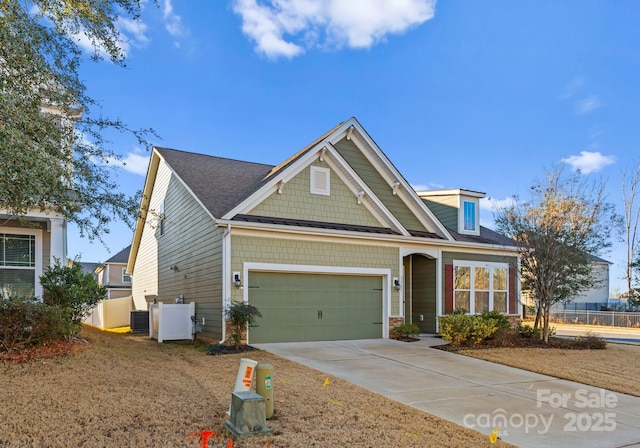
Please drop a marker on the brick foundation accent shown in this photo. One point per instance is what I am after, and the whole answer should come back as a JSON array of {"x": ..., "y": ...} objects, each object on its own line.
[
  {"x": 393, "y": 323},
  {"x": 514, "y": 321}
]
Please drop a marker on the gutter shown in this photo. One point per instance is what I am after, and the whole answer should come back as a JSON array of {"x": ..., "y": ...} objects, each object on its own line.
[{"x": 279, "y": 228}]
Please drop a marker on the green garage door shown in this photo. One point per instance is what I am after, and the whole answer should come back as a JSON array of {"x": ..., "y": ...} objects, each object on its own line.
[{"x": 315, "y": 307}]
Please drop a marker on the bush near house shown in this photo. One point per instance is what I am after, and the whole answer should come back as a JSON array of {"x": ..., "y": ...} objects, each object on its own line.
[
  {"x": 406, "y": 331},
  {"x": 463, "y": 330},
  {"x": 26, "y": 322},
  {"x": 240, "y": 315},
  {"x": 72, "y": 291}
]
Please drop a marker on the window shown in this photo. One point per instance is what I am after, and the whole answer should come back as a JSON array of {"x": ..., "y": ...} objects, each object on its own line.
[
  {"x": 469, "y": 216},
  {"x": 161, "y": 219},
  {"x": 17, "y": 265},
  {"x": 126, "y": 278},
  {"x": 320, "y": 181},
  {"x": 480, "y": 287}
]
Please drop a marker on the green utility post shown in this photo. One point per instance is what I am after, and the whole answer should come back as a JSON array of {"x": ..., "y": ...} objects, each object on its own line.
[{"x": 264, "y": 387}]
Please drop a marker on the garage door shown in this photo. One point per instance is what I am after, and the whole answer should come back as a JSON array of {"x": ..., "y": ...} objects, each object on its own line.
[{"x": 315, "y": 307}]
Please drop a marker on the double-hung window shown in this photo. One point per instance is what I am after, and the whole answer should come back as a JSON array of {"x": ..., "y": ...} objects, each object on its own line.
[
  {"x": 480, "y": 287},
  {"x": 17, "y": 265}
]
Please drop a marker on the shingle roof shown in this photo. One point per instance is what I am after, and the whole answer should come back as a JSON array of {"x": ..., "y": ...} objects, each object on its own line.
[
  {"x": 120, "y": 257},
  {"x": 219, "y": 183},
  {"x": 487, "y": 236},
  {"x": 314, "y": 224}
]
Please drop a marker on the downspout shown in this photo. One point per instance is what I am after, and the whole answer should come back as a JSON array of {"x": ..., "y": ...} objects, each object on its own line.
[{"x": 226, "y": 285}]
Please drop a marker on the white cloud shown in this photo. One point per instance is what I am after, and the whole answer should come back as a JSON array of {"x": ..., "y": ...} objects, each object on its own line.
[
  {"x": 285, "y": 28},
  {"x": 132, "y": 33},
  {"x": 574, "y": 86},
  {"x": 172, "y": 21},
  {"x": 136, "y": 162},
  {"x": 589, "y": 162},
  {"x": 427, "y": 187},
  {"x": 489, "y": 207},
  {"x": 588, "y": 104}
]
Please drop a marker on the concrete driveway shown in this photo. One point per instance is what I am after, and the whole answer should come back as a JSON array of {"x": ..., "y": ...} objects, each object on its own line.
[{"x": 531, "y": 410}]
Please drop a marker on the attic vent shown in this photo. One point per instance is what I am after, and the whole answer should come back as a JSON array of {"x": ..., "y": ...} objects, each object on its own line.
[{"x": 320, "y": 180}]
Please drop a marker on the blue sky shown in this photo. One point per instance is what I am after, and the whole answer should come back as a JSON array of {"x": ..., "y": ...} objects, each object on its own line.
[{"x": 477, "y": 95}]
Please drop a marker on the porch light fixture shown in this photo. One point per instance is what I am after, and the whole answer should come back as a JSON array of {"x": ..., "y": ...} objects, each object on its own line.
[
  {"x": 396, "y": 283},
  {"x": 236, "y": 279}
]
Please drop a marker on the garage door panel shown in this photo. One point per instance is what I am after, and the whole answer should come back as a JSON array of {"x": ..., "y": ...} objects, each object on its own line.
[{"x": 315, "y": 307}]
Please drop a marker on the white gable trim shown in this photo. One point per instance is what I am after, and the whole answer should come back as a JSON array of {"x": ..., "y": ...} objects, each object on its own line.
[
  {"x": 376, "y": 157},
  {"x": 374, "y": 205},
  {"x": 149, "y": 186},
  {"x": 331, "y": 157}
]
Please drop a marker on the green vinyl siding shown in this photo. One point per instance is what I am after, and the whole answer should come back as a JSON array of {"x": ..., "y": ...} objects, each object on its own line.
[
  {"x": 376, "y": 182},
  {"x": 448, "y": 257},
  {"x": 297, "y": 202},
  {"x": 315, "y": 253},
  {"x": 193, "y": 244},
  {"x": 315, "y": 307},
  {"x": 447, "y": 214}
]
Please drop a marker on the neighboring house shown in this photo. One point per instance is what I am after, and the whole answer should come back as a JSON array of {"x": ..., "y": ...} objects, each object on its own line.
[
  {"x": 27, "y": 246},
  {"x": 113, "y": 275},
  {"x": 34, "y": 242},
  {"x": 333, "y": 243},
  {"x": 594, "y": 298}
]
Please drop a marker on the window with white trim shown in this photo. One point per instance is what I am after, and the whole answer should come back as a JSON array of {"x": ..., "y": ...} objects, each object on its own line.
[
  {"x": 126, "y": 278},
  {"x": 480, "y": 287},
  {"x": 17, "y": 265},
  {"x": 320, "y": 180},
  {"x": 469, "y": 216}
]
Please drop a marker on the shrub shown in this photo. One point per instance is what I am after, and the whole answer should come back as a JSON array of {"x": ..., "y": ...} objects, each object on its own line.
[
  {"x": 463, "y": 330},
  {"x": 591, "y": 341},
  {"x": 25, "y": 322},
  {"x": 73, "y": 291},
  {"x": 500, "y": 319},
  {"x": 240, "y": 315},
  {"x": 406, "y": 330},
  {"x": 529, "y": 332}
]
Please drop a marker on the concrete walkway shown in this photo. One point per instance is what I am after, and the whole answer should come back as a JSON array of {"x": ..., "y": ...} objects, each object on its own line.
[{"x": 531, "y": 410}]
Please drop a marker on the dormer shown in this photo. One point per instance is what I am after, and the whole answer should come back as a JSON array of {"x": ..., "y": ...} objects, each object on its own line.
[{"x": 457, "y": 209}]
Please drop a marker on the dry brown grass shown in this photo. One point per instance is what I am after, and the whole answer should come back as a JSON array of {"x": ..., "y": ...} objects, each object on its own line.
[
  {"x": 128, "y": 391},
  {"x": 616, "y": 368}
]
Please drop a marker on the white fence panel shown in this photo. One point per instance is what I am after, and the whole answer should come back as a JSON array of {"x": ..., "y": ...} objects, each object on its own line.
[
  {"x": 96, "y": 316},
  {"x": 110, "y": 313},
  {"x": 171, "y": 321}
]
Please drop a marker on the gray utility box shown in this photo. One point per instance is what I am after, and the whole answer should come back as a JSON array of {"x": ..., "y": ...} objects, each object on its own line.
[{"x": 247, "y": 416}]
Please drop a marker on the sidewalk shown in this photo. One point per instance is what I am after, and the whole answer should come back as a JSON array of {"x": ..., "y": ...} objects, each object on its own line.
[{"x": 612, "y": 334}]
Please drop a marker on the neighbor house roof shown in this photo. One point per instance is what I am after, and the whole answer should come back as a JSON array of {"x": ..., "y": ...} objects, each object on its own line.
[{"x": 120, "y": 257}]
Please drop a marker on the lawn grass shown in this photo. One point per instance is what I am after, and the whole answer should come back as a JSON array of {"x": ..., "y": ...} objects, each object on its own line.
[
  {"x": 616, "y": 368},
  {"x": 126, "y": 390}
]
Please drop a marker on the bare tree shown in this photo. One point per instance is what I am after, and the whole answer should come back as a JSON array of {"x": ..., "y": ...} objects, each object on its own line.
[
  {"x": 631, "y": 216},
  {"x": 564, "y": 223}
]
